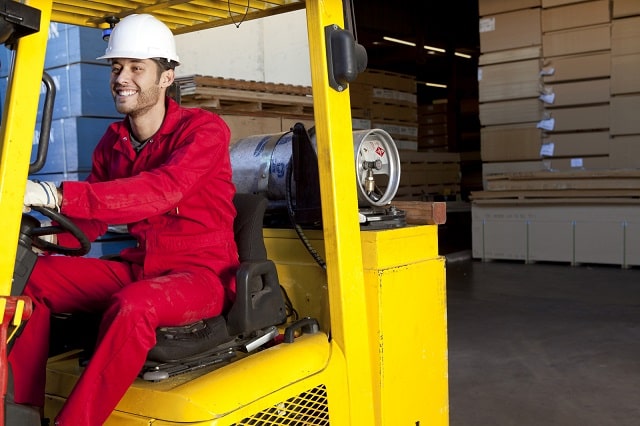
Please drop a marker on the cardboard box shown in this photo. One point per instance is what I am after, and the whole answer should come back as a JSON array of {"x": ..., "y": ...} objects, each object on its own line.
[
  {"x": 511, "y": 80},
  {"x": 553, "y": 3},
  {"x": 435, "y": 108},
  {"x": 580, "y": 118},
  {"x": 575, "y": 15},
  {"x": 82, "y": 89},
  {"x": 577, "y": 144},
  {"x": 624, "y": 152},
  {"x": 67, "y": 44},
  {"x": 426, "y": 142},
  {"x": 388, "y": 80},
  {"x": 624, "y": 115},
  {"x": 402, "y": 113},
  {"x": 499, "y": 168},
  {"x": 397, "y": 130},
  {"x": 577, "y": 67},
  {"x": 578, "y": 93},
  {"x": 623, "y": 8},
  {"x": 360, "y": 94},
  {"x": 432, "y": 129},
  {"x": 510, "y": 30},
  {"x": 577, "y": 40},
  {"x": 625, "y": 74},
  {"x": 511, "y": 112},
  {"x": 512, "y": 55},
  {"x": 490, "y": 7},
  {"x": 433, "y": 119},
  {"x": 625, "y": 34},
  {"x": 242, "y": 126},
  {"x": 510, "y": 143},
  {"x": 578, "y": 163},
  {"x": 557, "y": 231}
]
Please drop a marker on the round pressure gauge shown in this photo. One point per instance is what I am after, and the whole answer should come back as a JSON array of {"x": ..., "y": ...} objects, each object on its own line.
[{"x": 377, "y": 167}]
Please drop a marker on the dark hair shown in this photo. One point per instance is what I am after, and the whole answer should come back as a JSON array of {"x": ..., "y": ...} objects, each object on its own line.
[{"x": 164, "y": 64}]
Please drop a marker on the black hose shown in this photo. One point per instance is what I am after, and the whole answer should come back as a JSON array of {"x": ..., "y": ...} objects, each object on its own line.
[{"x": 305, "y": 241}]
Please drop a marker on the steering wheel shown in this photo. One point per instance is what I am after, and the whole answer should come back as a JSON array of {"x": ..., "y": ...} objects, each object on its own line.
[{"x": 64, "y": 225}]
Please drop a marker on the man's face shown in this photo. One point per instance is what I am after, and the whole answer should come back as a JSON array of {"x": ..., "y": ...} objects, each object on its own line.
[{"x": 136, "y": 85}]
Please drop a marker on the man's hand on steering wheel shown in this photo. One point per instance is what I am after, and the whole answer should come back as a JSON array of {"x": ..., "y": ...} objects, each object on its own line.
[
  {"x": 45, "y": 198},
  {"x": 41, "y": 194}
]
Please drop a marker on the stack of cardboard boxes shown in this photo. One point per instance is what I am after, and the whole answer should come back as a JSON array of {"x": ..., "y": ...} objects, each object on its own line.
[
  {"x": 433, "y": 126},
  {"x": 559, "y": 96},
  {"x": 388, "y": 101},
  {"x": 83, "y": 107},
  {"x": 625, "y": 85},
  {"x": 544, "y": 84},
  {"x": 558, "y": 85}
]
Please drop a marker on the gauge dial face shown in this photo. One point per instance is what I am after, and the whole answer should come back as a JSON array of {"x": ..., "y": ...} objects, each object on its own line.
[
  {"x": 373, "y": 168},
  {"x": 373, "y": 154}
]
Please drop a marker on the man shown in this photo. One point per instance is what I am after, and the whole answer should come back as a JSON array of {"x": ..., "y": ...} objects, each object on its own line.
[{"x": 165, "y": 172}]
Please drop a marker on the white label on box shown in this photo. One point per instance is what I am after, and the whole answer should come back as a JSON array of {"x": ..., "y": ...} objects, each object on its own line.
[
  {"x": 546, "y": 124},
  {"x": 576, "y": 162},
  {"x": 487, "y": 24},
  {"x": 546, "y": 150},
  {"x": 548, "y": 71},
  {"x": 360, "y": 123},
  {"x": 548, "y": 98}
]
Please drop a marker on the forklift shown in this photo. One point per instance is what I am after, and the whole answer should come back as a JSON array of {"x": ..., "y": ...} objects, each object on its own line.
[{"x": 368, "y": 343}]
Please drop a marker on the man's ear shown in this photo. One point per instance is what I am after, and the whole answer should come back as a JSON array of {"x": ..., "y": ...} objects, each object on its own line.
[{"x": 167, "y": 78}]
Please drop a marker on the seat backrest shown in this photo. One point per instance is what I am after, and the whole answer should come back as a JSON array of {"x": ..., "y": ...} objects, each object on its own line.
[{"x": 247, "y": 227}]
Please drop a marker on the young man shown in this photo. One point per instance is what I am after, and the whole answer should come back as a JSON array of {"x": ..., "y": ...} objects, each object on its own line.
[{"x": 165, "y": 172}]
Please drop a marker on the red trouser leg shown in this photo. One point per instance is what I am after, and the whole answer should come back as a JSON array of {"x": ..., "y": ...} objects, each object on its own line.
[{"x": 132, "y": 312}]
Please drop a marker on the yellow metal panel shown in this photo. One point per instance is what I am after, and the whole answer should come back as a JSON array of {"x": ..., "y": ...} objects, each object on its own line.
[
  {"x": 398, "y": 247},
  {"x": 332, "y": 115},
  {"x": 407, "y": 308},
  {"x": 303, "y": 279},
  {"x": 227, "y": 395},
  {"x": 16, "y": 136}
]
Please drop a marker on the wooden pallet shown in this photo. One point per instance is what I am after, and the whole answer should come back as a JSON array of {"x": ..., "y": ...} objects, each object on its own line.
[{"x": 230, "y": 95}]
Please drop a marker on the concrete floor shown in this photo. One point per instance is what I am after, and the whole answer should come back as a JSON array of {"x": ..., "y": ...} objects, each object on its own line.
[{"x": 543, "y": 344}]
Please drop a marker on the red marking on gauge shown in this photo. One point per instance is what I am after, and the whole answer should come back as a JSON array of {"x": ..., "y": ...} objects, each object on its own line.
[{"x": 380, "y": 151}]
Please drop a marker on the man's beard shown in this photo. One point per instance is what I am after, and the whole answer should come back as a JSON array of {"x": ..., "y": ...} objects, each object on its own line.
[{"x": 146, "y": 100}]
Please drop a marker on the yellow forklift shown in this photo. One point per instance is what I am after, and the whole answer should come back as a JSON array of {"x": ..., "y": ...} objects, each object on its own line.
[{"x": 369, "y": 344}]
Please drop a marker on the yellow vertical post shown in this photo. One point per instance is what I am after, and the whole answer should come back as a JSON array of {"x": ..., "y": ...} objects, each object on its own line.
[
  {"x": 340, "y": 215},
  {"x": 16, "y": 136}
]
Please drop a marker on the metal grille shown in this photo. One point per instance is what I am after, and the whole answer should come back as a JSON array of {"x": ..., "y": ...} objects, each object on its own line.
[{"x": 308, "y": 408}]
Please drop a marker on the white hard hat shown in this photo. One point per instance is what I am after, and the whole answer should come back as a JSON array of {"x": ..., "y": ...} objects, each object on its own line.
[{"x": 141, "y": 37}]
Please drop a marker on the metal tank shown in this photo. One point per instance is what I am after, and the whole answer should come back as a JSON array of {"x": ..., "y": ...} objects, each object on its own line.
[{"x": 260, "y": 166}]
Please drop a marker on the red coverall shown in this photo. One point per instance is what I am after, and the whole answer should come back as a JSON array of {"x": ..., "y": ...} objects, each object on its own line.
[{"x": 176, "y": 197}]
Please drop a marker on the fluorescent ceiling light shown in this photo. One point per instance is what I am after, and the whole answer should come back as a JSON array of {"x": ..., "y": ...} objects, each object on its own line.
[
  {"x": 397, "y": 40},
  {"x": 434, "y": 49},
  {"x": 463, "y": 55},
  {"x": 438, "y": 85}
]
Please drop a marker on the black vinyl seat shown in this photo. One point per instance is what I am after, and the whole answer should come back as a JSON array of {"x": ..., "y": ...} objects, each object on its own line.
[{"x": 259, "y": 303}]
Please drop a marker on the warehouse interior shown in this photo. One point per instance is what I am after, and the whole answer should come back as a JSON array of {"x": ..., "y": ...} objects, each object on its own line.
[
  {"x": 542, "y": 237},
  {"x": 543, "y": 303}
]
